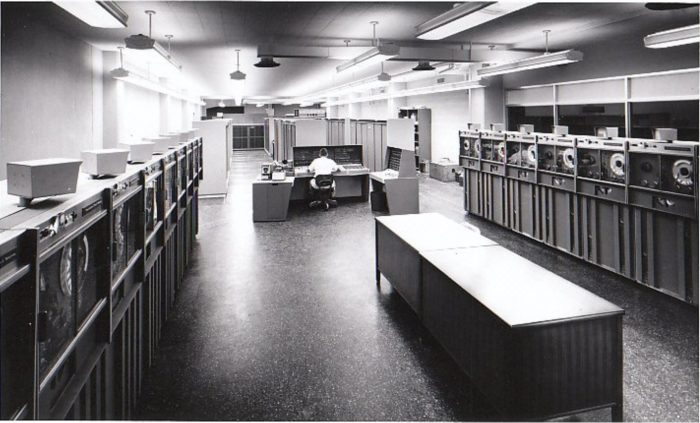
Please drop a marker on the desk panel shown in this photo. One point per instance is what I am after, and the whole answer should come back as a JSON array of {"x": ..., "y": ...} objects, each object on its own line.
[{"x": 347, "y": 185}]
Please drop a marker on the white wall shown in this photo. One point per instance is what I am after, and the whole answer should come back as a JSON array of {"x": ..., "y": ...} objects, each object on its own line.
[
  {"x": 449, "y": 113},
  {"x": 49, "y": 108},
  {"x": 58, "y": 98},
  {"x": 141, "y": 114},
  {"x": 374, "y": 110}
]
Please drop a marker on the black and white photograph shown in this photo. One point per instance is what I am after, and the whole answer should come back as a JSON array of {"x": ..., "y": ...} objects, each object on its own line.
[{"x": 349, "y": 210}]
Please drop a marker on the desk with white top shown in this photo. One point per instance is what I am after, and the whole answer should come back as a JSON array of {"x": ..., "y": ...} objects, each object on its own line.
[{"x": 271, "y": 199}]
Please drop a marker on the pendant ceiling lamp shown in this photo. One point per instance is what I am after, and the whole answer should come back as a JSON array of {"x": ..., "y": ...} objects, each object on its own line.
[
  {"x": 147, "y": 52},
  {"x": 424, "y": 66},
  {"x": 238, "y": 79},
  {"x": 383, "y": 76},
  {"x": 237, "y": 75},
  {"x": 266, "y": 62}
]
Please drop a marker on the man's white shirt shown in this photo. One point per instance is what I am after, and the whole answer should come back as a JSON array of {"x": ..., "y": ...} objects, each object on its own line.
[{"x": 323, "y": 166}]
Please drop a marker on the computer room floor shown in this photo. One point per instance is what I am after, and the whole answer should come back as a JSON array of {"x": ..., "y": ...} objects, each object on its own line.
[{"x": 283, "y": 321}]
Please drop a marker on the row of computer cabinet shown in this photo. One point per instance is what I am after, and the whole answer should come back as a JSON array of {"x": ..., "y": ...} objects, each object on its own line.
[
  {"x": 87, "y": 281},
  {"x": 629, "y": 206}
]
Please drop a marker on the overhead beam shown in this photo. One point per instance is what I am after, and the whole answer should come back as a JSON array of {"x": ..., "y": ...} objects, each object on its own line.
[{"x": 406, "y": 53}]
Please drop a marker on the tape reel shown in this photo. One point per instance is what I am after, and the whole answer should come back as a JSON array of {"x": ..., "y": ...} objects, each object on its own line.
[
  {"x": 683, "y": 172},
  {"x": 567, "y": 158},
  {"x": 501, "y": 150},
  {"x": 532, "y": 154},
  {"x": 467, "y": 145},
  {"x": 477, "y": 146},
  {"x": 617, "y": 164},
  {"x": 66, "y": 275}
]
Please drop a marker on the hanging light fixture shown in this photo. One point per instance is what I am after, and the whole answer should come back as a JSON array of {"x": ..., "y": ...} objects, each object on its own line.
[
  {"x": 266, "y": 62},
  {"x": 377, "y": 54},
  {"x": 424, "y": 66},
  {"x": 100, "y": 14},
  {"x": 144, "y": 49},
  {"x": 673, "y": 37},
  {"x": 237, "y": 75},
  {"x": 120, "y": 72},
  {"x": 546, "y": 60},
  {"x": 383, "y": 76},
  {"x": 238, "y": 79},
  {"x": 465, "y": 16}
]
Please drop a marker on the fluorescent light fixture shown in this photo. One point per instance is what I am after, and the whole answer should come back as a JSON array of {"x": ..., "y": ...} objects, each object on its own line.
[
  {"x": 465, "y": 16},
  {"x": 145, "y": 83},
  {"x": 155, "y": 60},
  {"x": 431, "y": 89},
  {"x": 100, "y": 14},
  {"x": 673, "y": 37},
  {"x": 443, "y": 88},
  {"x": 544, "y": 61},
  {"x": 372, "y": 56}
]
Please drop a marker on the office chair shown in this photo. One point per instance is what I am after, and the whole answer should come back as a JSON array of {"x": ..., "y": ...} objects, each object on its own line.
[{"x": 321, "y": 197}]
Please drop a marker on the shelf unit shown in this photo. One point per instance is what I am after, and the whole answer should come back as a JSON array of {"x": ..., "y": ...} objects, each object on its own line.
[{"x": 422, "y": 118}]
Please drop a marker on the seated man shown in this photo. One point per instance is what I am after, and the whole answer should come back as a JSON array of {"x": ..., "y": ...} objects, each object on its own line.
[{"x": 323, "y": 166}]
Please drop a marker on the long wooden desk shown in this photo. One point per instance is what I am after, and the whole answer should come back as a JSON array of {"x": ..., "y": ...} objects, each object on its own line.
[
  {"x": 536, "y": 345},
  {"x": 400, "y": 240}
]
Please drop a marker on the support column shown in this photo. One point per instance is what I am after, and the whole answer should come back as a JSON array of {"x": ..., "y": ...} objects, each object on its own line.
[{"x": 113, "y": 100}]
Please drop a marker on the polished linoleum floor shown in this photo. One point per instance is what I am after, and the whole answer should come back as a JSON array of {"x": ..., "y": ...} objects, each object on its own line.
[{"x": 283, "y": 321}]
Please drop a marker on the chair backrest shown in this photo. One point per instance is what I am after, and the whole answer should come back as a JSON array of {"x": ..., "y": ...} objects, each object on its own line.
[{"x": 324, "y": 181}]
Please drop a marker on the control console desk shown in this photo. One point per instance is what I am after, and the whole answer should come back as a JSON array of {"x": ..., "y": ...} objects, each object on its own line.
[
  {"x": 395, "y": 189},
  {"x": 351, "y": 181}
]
